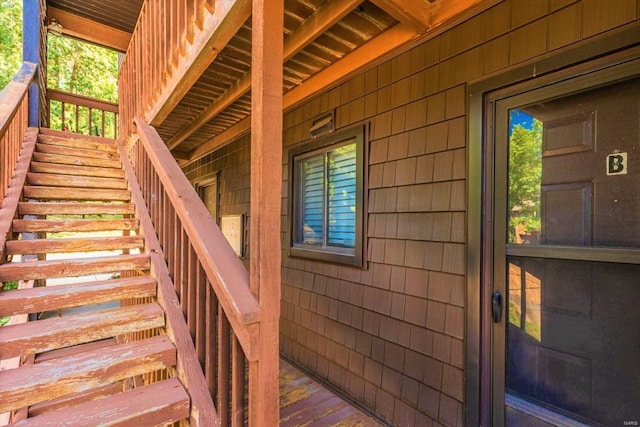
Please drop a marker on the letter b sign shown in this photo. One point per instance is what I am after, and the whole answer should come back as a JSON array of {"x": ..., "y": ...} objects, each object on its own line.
[{"x": 617, "y": 164}]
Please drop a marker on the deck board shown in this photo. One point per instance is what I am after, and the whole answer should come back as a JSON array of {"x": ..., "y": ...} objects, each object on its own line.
[{"x": 305, "y": 402}]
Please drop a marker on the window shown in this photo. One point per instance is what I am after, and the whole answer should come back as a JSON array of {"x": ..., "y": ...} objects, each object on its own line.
[{"x": 327, "y": 198}]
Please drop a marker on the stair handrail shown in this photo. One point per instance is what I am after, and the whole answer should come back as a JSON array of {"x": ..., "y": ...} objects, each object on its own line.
[
  {"x": 14, "y": 93},
  {"x": 104, "y": 108},
  {"x": 14, "y": 104},
  {"x": 226, "y": 273}
]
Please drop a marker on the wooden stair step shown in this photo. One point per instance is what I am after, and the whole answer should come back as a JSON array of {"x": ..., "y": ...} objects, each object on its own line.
[
  {"x": 58, "y": 180},
  {"x": 84, "y": 143},
  {"x": 72, "y": 135},
  {"x": 34, "y": 270},
  {"x": 76, "y": 170},
  {"x": 75, "y": 208},
  {"x": 76, "y": 349},
  {"x": 73, "y": 160},
  {"x": 151, "y": 405},
  {"x": 74, "y": 399},
  {"x": 59, "y": 332},
  {"x": 45, "y": 298},
  {"x": 53, "y": 226},
  {"x": 76, "y": 152},
  {"x": 70, "y": 193},
  {"x": 73, "y": 244},
  {"x": 31, "y": 384}
]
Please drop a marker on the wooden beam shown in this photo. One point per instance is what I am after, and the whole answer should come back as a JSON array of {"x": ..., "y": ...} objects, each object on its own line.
[
  {"x": 218, "y": 28},
  {"x": 415, "y": 13},
  {"x": 323, "y": 19},
  {"x": 91, "y": 31},
  {"x": 181, "y": 155},
  {"x": 223, "y": 138},
  {"x": 231, "y": 95},
  {"x": 320, "y": 21},
  {"x": 346, "y": 67},
  {"x": 266, "y": 184},
  {"x": 442, "y": 10}
]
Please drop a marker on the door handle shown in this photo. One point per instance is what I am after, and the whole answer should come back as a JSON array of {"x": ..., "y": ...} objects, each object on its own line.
[{"x": 496, "y": 306}]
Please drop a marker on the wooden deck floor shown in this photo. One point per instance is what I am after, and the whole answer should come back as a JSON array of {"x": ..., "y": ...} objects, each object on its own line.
[{"x": 304, "y": 402}]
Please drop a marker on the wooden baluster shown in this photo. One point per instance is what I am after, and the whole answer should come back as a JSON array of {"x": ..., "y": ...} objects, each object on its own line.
[
  {"x": 153, "y": 29},
  {"x": 199, "y": 9},
  {"x": 211, "y": 331},
  {"x": 167, "y": 39},
  {"x": 182, "y": 28},
  {"x": 192, "y": 285},
  {"x": 102, "y": 134},
  {"x": 175, "y": 35},
  {"x": 183, "y": 269},
  {"x": 62, "y": 108},
  {"x": 190, "y": 18},
  {"x": 200, "y": 307},
  {"x": 224, "y": 380},
  {"x": 237, "y": 383},
  {"x": 140, "y": 76}
]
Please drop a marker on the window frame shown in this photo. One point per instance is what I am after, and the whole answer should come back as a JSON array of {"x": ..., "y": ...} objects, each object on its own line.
[{"x": 310, "y": 148}]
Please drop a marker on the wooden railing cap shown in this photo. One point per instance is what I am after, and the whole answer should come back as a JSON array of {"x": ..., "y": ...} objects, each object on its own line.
[
  {"x": 12, "y": 94},
  {"x": 227, "y": 272}
]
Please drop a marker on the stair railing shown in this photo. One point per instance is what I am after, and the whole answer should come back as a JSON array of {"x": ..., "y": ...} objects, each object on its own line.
[
  {"x": 161, "y": 51},
  {"x": 211, "y": 283},
  {"x": 173, "y": 42},
  {"x": 82, "y": 114},
  {"x": 14, "y": 103},
  {"x": 17, "y": 143}
]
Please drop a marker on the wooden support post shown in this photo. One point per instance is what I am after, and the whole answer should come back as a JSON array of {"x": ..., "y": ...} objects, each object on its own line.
[
  {"x": 266, "y": 184},
  {"x": 31, "y": 22}
]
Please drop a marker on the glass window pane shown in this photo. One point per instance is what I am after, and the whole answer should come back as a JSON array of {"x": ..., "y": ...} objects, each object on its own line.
[
  {"x": 572, "y": 337},
  {"x": 525, "y": 174},
  {"x": 342, "y": 196},
  {"x": 312, "y": 197},
  {"x": 573, "y": 179}
]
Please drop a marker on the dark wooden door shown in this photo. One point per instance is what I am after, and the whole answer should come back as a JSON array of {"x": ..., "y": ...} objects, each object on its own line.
[{"x": 566, "y": 246}]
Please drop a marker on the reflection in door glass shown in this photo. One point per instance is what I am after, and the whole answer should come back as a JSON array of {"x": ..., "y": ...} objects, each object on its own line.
[
  {"x": 572, "y": 338},
  {"x": 525, "y": 174}
]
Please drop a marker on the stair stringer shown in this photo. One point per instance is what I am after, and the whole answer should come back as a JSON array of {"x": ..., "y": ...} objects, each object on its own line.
[{"x": 188, "y": 368}]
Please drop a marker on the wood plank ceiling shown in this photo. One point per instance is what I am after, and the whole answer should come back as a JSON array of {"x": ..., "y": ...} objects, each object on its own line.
[
  {"x": 119, "y": 14},
  {"x": 324, "y": 40}
]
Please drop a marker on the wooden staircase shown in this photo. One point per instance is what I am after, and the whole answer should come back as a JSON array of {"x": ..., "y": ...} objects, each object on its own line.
[{"x": 77, "y": 223}]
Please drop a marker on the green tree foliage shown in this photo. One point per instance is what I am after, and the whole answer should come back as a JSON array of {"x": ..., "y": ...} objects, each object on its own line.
[
  {"x": 72, "y": 66},
  {"x": 10, "y": 39},
  {"x": 84, "y": 69},
  {"x": 525, "y": 175}
]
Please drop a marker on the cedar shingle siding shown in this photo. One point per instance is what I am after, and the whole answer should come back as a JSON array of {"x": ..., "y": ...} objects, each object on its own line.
[{"x": 392, "y": 335}]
